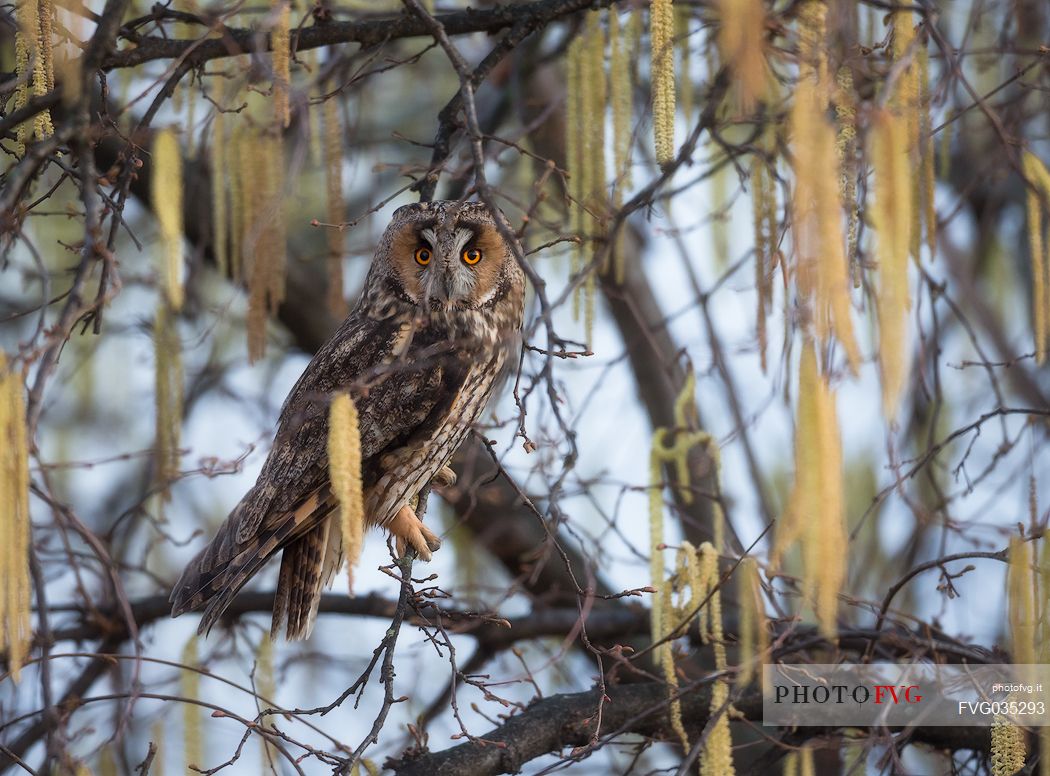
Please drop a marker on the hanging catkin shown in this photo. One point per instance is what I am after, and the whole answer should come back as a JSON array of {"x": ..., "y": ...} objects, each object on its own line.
[
  {"x": 264, "y": 237},
  {"x": 927, "y": 153},
  {"x": 620, "y": 99},
  {"x": 219, "y": 175},
  {"x": 823, "y": 274},
  {"x": 192, "y": 724},
  {"x": 266, "y": 688},
  {"x": 576, "y": 159},
  {"x": 716, "y": 759},
  {"x": 754, "y": 628},
  {"x": 166, "y": 190},
  {"x": 344, "y": 465},
  {"x": 34, "y": 67},
  {"x": 905, "y": 103},
  {"x": 661, "y": 43},
  {"x": 846, "y": 149},
  {"x": 1037, "y": 199},
  {"x": 596, "y": 101},
  {"x": 168, "y": 395},
  {"x": 891, "y": 216},
  {"x": 815, "y": 511},
  {"x": 1008, "y": 748},
  {"x": 741, "y": 45},
  {"x": 281, "y": 42},
  {"x": 15, "y": 628}
]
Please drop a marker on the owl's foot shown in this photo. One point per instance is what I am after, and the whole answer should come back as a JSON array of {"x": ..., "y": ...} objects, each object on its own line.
[
  {"x": 409, "y": 531},
  {"x": 445, "y": 477}
]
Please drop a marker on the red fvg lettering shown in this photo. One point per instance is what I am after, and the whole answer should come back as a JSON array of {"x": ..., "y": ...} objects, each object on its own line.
[{"x": 897, "y": 697}]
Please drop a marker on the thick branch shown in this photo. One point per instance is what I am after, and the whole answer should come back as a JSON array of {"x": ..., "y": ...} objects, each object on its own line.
[
  {"x": 366, "y": 33},
  {"x": 642, "y": 709}
]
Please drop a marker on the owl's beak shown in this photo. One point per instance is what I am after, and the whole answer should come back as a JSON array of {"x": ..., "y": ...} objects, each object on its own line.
[{"x": 441, "y": 290}]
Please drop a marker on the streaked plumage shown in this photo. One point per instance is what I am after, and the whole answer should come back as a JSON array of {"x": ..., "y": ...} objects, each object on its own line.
[{"x": 419, "y": 354}]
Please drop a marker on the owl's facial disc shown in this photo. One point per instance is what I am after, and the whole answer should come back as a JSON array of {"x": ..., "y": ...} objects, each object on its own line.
[{"x": 449, "y": 279}]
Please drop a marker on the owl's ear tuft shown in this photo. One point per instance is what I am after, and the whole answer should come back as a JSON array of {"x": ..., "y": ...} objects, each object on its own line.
[{"x": 411, "y": 206}]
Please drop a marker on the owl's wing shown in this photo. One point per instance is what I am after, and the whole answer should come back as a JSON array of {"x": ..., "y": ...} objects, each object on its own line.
[{"x": 402, "y": 384}]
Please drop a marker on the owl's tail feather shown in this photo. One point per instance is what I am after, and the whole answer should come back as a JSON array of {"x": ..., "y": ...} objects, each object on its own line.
[
  {"x": 215, "y": 576},
  {"x": 307, "y": 568}
]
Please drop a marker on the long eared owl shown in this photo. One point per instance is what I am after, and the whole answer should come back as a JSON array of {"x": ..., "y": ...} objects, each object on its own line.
[{"x": 441, "y": 309}]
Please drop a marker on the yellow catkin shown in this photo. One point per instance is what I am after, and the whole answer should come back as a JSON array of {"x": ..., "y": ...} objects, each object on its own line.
[
  {"x": 219, "y": 176},
  {"x": 656, "y": 534},
  {"x": 1008, "y": 748},
  {"x": 44, "y": 71},
  {"x": 275, "y": 238},
  {"x": 266, "y": 688},
  {"x": 107, "y": 762},
  {"x": 188, "y": 122},
  {"x": 741, "y": 44},
  {"x": 585, "y": 159},
  {"x": 823, "y": 274},
  {"x": 237, "y": 202},
  {"x": 315, "y": 95},
  {"x": 333, "y": 176},
  {"x": 1021, "y": 601},
  {"x": 927, "y": 153},
  {"x": 1044, "y": 744},
  {"x": 34, "y": 66},
  {"x": 807, "y": 765},
  {"x": 790, "y": 764},
  {"x": 763, "y": 285},
  {"x": 661, "y": 614},
  {"x": 664, "y": 452},
  {"x": 15, "y": 629},
  {"x": 168, "y": 394},
  {"x": 25, "y": 51},
  {"x": 597, "y": 100},
  {"x": 1037, "y": 200},
  {"x": 166, "y": 193},
  {"x": 252, "y": 170},
  {"x": 586, "y": 99},
  {"x": 157, "y": 737},
  {"x": 192, "y": 724},
  {"x": 815, "y": 511},
  {"x": 906, "y": 103},
  {"x": 763, "y": 213},
  {"x": 344, "y": 464},
  {"x": 717, "y": 756},
  {"x": 677, "y": 453},
  {"x": 620, "y": 99},
  {"x": 661, "y": 43},
  {"x": 754, "y": 631},
  {"x": 846, "y": 149},
  {"x": 597, "y": 97},
  {"x": 621, "y": 103},
  {"x": 574, "y": 145},
  {"x": 281, "y": 43},
  {"x": 827, "y": 533},
  {"x": 665, "y": 656},
  {"x": 891, "y": 216},
  {"x": 688, "y": 573},
  {"x": 264, "y": 238}
]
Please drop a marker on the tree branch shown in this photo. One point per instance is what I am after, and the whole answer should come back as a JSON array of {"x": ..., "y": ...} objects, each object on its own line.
[{"x": 366, "y": 33}]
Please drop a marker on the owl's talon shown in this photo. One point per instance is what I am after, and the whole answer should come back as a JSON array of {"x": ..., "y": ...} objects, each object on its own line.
[
  {"x": 409, "y": 531},
  {"x": 445, "y": 477}
]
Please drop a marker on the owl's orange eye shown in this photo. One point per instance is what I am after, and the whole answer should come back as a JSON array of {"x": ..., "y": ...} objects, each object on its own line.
[
  {"x": 471, "y": 256},
  {"x": 423, "y": 256}
]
